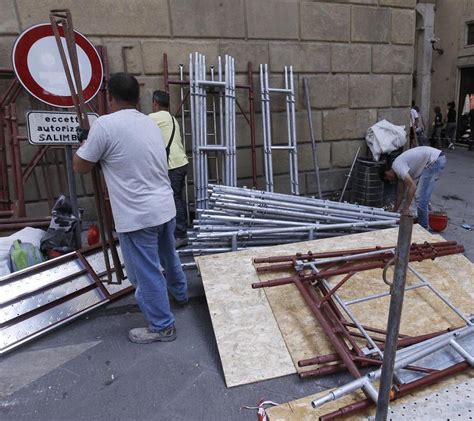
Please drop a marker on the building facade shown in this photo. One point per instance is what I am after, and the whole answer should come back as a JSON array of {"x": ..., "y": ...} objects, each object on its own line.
[
  {"x": 452, "y": 69},
  {"x": 357, "y": 54}
]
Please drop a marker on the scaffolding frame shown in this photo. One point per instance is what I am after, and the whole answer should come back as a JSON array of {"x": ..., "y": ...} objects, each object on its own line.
[
  {"x": 268, "y": 147},
  {"x": 183, "y": 111},
  {"x": 311, "y": 280}
]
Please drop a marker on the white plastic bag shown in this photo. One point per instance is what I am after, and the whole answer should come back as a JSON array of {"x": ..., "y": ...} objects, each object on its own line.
[{"x": 385, "y": 137}]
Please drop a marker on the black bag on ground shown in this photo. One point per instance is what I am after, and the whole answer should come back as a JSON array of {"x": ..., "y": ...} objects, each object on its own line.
[{"x": 60, "y": 235}]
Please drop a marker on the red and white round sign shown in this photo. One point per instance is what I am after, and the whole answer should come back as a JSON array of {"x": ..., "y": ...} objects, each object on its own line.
[{"x": 38, "y": 67}]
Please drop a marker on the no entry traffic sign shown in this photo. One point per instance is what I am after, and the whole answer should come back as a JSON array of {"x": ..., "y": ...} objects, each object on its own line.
[
  {"x": 54, "y": 127},
  {"x": 38, "y": 66}
]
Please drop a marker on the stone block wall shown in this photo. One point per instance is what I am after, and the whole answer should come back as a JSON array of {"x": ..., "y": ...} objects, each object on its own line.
[{"x": 357, "y": 55}]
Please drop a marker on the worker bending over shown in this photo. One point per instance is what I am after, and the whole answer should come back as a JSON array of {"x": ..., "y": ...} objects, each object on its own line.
[
  {"x": 419, "y": 168},
  {"x": 177, "y": 160}
]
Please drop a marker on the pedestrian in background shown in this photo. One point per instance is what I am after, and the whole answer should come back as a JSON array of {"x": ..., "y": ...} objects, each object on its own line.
[
  {"x": 177, "y": 160},
  {"x": 470, "y": 145},
  {"x": 437, "y": 127},
  {"x": 414, "y": 125},
  {"x": 451, "y": 124},
  {"x": 130, "y": 150}
]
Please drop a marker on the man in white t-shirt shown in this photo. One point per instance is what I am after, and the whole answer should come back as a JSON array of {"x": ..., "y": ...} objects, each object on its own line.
[
  {"x": 418, "y": 169},
  {"x": 130, "y": 150}
]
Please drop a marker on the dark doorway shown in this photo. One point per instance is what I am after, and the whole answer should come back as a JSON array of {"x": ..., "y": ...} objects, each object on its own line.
[{"x": 466, "y": 88}]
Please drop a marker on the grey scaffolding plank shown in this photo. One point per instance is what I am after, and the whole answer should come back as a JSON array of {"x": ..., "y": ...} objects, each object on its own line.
[{"x": 41, "y": 298}]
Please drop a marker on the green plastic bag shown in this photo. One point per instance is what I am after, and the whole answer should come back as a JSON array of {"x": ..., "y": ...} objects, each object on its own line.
[{"x": 23, "y": 255}]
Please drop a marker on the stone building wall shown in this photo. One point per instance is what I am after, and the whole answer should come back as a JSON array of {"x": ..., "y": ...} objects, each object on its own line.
[{"x": 357, "y": 54}]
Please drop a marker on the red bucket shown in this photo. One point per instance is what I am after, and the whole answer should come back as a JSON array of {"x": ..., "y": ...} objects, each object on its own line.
[{"x": 438, "y": 221}]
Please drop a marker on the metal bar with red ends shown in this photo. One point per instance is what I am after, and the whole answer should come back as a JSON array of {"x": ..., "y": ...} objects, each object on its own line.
[
  {"x": 334, "y": 358},
  {"x": 428, "y": 252},
  {"x": 349, "y": 252}
]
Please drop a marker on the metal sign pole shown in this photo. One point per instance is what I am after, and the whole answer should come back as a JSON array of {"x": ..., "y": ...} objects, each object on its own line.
[
  {"x": 394, "y": 316},
  {"x": 64, "y": 19},
  {"x": 71, "y": 179},
  {"x": 71, "y": 182}
]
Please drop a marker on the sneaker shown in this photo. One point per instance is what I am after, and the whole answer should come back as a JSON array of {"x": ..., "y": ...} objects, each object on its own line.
[
  {"x": 181, "y": 242},
  {"x": 143, "y": 335},
  {"x": 451, "y": 146}
]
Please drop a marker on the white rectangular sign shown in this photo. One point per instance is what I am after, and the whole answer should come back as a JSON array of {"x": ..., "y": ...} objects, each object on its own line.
[{"x": 54, "y": 127}]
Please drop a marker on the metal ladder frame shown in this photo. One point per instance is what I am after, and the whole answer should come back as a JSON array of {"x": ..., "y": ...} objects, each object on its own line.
[
  {"x": 268, "y": 146},
  {"x": 198, "y": 83}
]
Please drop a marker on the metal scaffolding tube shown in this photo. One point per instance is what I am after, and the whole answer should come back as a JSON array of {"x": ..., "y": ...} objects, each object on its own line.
[
  {"x": 300, "y": 199},
  {"x": 397, "y": 294},
  {"x": 294, "y": 152},
  {"x": 349, "y": 175},
  {"x": 300, "y": 206},
  {"x": 261, "y": 217},
  {"x": 312, "y": 137},
  {"x": 316, "y": 227},
  {"x": 304, "y": 216},
  {"x": 408, "y": 357}
]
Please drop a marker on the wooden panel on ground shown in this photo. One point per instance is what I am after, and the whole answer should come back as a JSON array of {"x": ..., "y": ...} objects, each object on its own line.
[
  {"x": 301, "y": 409},
  {"x": 303, "y": 335},
  {"x": 250, "y": 344},
  {"x": 258, "y": 338}
]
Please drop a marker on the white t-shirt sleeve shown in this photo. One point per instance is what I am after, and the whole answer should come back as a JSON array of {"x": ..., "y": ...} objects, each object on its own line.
[
  {"x": 401, "y": 168},
  {"x": 95, "y": 147}
]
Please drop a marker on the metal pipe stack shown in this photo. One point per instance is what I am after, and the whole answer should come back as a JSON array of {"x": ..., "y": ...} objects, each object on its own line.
[
  {"x": 238, "y": 218},
  {"x": 199, "y": 87}
]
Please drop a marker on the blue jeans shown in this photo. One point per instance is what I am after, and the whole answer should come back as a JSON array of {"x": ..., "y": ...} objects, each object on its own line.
[
  {"x": 143, "y": 251},
  {"x": 425, "y": 188}
]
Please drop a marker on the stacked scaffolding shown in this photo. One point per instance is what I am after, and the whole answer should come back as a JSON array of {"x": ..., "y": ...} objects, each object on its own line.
[
  {"x": 200, "y": 84},
  {"x": 238, "y": 218}
]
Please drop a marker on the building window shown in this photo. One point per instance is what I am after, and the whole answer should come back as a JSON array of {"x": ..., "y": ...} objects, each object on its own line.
[{"x": 470, "y": 33}]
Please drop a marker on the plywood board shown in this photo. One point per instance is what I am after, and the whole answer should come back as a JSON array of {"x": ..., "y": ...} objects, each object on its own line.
[
  {"x": 301, "y": 409},
  {"x": 250, "y": 344},
  {"x": 305, "y": 339},
  {"x": 259, "y": 333}
]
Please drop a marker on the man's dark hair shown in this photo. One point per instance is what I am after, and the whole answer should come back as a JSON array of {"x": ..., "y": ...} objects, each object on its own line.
[
  {"x": 124, "y": 87},
  {"x": 162, "y": 98},
  {"x": 386, "y": 166},
  {"x": 451, "y": 104}
]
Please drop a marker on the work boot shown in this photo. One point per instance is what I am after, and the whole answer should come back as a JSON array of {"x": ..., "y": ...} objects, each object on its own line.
[
  {"x": 181, "y": 242},
  {"x": 179, "y": 303},
  {"x": 143, "y": 335}
]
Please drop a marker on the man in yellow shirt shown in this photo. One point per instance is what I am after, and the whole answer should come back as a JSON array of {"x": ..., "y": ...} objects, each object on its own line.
[{"x": 177, "y": 160}]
